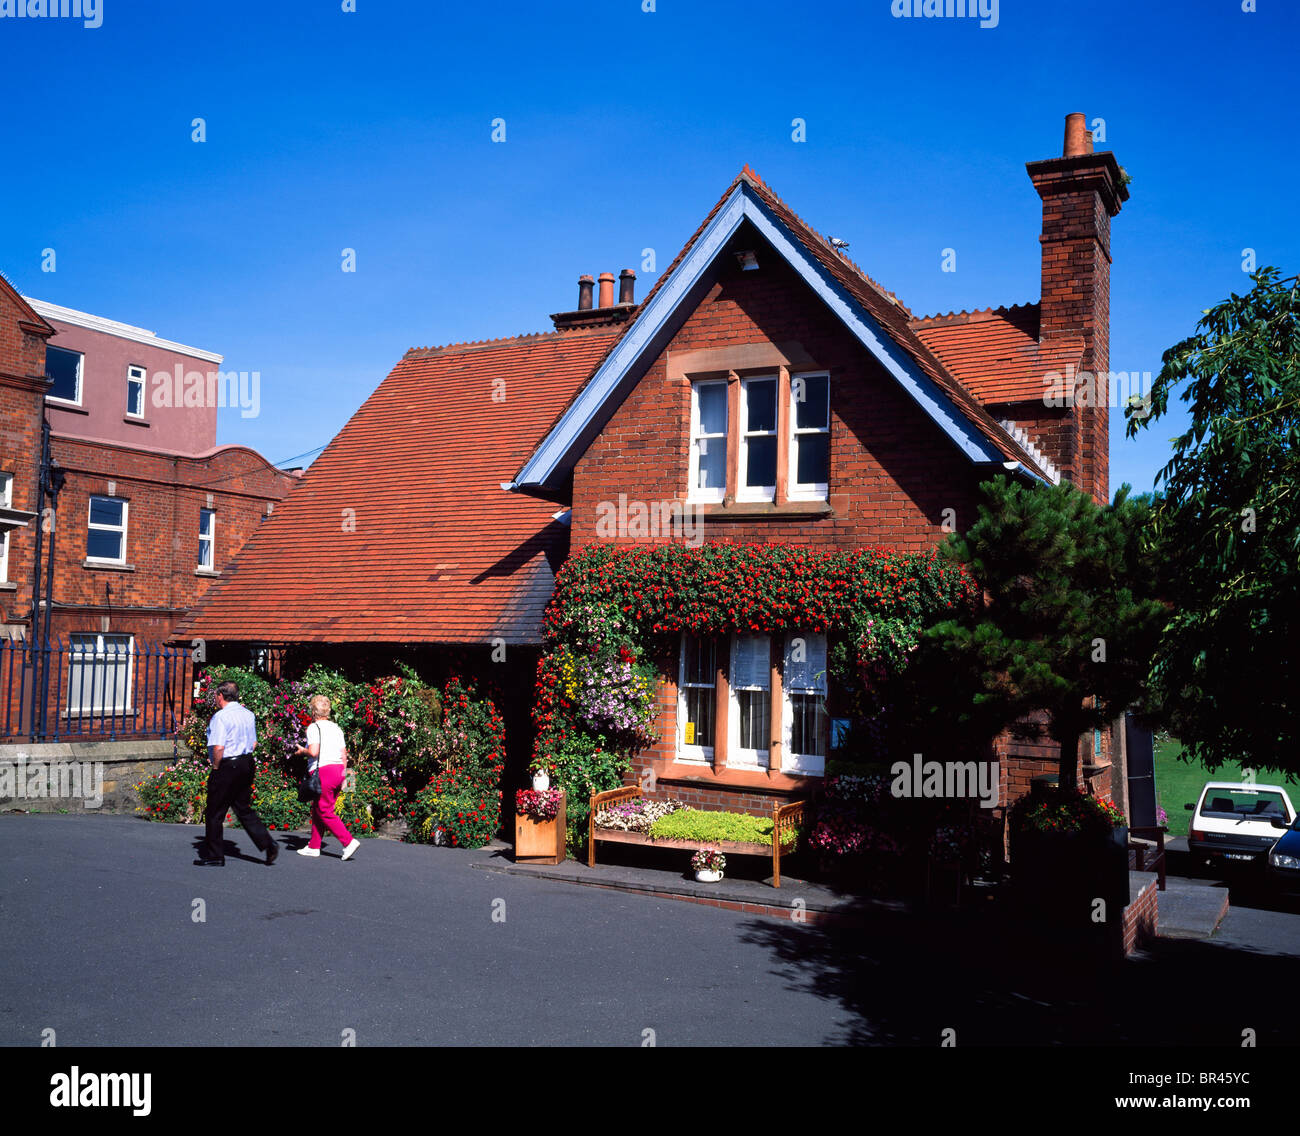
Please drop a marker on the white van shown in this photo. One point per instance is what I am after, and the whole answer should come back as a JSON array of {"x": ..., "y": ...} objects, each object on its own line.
[{"x": 1233, "y": 823}]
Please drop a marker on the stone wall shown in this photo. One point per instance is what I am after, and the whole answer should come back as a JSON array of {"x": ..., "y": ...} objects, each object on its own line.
[{"x": 78, "y": 777}]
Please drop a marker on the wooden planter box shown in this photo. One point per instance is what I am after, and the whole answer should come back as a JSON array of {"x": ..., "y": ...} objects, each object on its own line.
[{"x": 540, "y": 841}]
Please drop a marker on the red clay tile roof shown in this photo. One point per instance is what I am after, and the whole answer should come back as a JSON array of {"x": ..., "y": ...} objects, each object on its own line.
[
  {"x": 440, "y": 552},
  {"x": 995, "y": 354}
]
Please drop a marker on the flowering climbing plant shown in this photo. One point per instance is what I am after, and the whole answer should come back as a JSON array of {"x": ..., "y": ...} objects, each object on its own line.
[{"x": 618, "y": 610}]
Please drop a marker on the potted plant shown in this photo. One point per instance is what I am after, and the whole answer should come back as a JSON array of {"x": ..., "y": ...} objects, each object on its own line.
[
  {"x": 708, "y": 864},
  {"x": 539, "y": 826},
  {"x": 1068, "y": 848},
  {"x": 541, "y": 772}
]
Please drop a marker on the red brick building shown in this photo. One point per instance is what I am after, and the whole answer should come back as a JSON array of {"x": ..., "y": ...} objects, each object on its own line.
[
  {"x": 151, "y": 510},
  {"x": 765, "y": 384}
]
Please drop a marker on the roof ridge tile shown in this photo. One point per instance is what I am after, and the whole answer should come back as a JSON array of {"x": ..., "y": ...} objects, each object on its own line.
[
  {"x": 990, "y": 312},
  {"x": 501, "y": 341}
]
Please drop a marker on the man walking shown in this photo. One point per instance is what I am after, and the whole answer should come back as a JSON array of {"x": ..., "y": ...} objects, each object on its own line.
[{"x": 232, "y": 737}]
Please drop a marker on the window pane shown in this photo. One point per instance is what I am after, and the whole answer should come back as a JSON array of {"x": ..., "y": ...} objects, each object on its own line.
[
  {"x": 205, "y": 522},
  {"x": 812, "y": 461},
  {"x": 106, "y": 511},
  {"x": 104, "y": 544},
  {"x": 810, "y": 411},
  {"x": 755, "y": 729},
  {"x": 760, "y": 402},
  {"x": 135, "y": 397},
  {"x": 99, "y": 674},
  {"x": 760, "y": 468},
  {"x": 699, "y": 712},
  {"x": 808, "y": 732},
  {"x": 699, "y": 661},
  {"x": 713, "y": 463},
  {"x": 62, "y": 367},
  {"x": 713, "y": 407}
]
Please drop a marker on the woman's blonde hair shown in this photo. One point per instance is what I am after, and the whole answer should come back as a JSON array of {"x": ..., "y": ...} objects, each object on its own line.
[{"x": 320, "y": 706}]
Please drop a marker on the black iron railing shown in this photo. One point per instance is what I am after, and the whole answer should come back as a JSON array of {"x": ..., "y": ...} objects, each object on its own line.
[{"x": 92, "y": 686}]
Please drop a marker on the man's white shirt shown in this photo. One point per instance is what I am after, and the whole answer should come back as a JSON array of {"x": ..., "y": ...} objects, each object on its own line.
[{"x": 235, "y": 728}]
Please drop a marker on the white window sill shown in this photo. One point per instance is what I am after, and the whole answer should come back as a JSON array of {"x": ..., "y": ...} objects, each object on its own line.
[
  {"x": 206, "y": 572},
  {"x": 8, "y": 586},
  {"x": 112, "y": 565}
]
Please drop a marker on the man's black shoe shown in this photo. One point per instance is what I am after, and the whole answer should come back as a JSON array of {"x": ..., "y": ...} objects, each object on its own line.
[
  {"x": 272, "y": 853},
  {"x": 220, "y": 862}
]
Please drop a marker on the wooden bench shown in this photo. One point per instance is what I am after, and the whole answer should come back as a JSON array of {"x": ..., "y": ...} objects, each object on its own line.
[{"x": 785, "y": 823}]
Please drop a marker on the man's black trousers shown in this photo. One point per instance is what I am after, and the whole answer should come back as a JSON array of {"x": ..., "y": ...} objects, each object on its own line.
[{"x": 230, "y": 786}]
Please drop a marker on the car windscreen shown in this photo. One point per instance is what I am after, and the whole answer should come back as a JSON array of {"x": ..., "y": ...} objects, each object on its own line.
[{"x": 1242, "y": 804}]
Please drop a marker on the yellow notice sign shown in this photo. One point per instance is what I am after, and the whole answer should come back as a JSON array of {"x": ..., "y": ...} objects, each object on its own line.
[{"x": 690, "y": 733}]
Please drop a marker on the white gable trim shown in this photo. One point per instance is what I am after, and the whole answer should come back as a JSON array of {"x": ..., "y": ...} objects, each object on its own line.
[{"x": 556, "y": 448}]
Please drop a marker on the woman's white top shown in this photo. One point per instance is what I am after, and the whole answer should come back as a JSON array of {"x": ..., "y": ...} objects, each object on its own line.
[{"x": 330, "y": 739}]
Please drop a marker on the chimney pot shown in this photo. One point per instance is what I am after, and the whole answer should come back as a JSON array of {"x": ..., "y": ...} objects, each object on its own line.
[
  {"x": 1077, "y": 140},
  {"x": 585, "y": 284},
  {"x": 606, "y": 290},
  {"x": 626, "y": 282}
]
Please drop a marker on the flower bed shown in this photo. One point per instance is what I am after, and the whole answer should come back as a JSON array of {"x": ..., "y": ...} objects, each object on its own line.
[
  {"x": 400, "y": 734},
  {"x": 636, "y": 815},
  {"x": 713, "y": 827}
]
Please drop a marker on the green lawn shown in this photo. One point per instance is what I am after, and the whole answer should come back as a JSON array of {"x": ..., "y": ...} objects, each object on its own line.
[{"x": 1178, "y": 783}]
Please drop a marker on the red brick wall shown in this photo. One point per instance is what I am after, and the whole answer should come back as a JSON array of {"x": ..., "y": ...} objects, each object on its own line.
[
  {"x": 1142, "y": 918},
  {"x": 22, "y": 386},
  {"x": 164, "y": 495}
]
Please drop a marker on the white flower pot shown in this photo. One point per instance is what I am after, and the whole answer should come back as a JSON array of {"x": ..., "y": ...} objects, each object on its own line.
[
  {"x": 705, "y": 876},
  {"x": 541, "y": 782}
]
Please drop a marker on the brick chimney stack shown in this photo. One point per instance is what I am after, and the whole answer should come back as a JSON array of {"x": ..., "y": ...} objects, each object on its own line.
[{"x": 1081, "y": 192}]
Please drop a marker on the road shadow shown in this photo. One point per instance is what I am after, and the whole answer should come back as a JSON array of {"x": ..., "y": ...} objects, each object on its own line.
[{"x": 996, "y": 979}]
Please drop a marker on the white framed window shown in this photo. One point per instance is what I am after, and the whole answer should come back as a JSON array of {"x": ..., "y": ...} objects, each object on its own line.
[
  {"x": 100, "y": 673},
  {"x": 810, "y": 435},
  {"x": 6, "y": 502},
  {"x": 135, "y": 378},
  {"x": 805, "y": 726},
  {"x": 757, "y": 472},
  {"x": 208, "y": 539},
  {"x": 708, "y": 440},
  {"x": 106, "y": 530},
  {"x": 63, "y": 368},
  {"x": 697, "y": 690},
  {"x": 750, "y": 720}
]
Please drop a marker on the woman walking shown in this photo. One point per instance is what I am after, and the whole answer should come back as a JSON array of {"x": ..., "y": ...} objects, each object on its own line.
[{"x": 329, "y": 757}]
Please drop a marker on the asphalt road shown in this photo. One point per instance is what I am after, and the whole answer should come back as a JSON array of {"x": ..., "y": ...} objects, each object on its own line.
[{"x": 101, "y": 944}]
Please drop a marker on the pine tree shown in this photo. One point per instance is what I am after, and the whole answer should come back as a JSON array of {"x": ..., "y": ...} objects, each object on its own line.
[{"x": 1069, "y": 622}]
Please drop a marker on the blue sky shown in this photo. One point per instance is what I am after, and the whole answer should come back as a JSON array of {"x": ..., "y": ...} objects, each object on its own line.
[{"x": 371, "y": 130}]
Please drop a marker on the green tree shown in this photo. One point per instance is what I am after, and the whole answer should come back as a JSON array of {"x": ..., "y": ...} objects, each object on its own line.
[
  {"x": 1064, "y": 639},
  {"x": 1228, "y": 526}
]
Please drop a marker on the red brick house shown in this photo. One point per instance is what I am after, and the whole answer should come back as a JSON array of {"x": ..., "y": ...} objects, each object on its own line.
[
  {"x": 151, "y": 510},
  {"x": 767, "y": 385}
]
